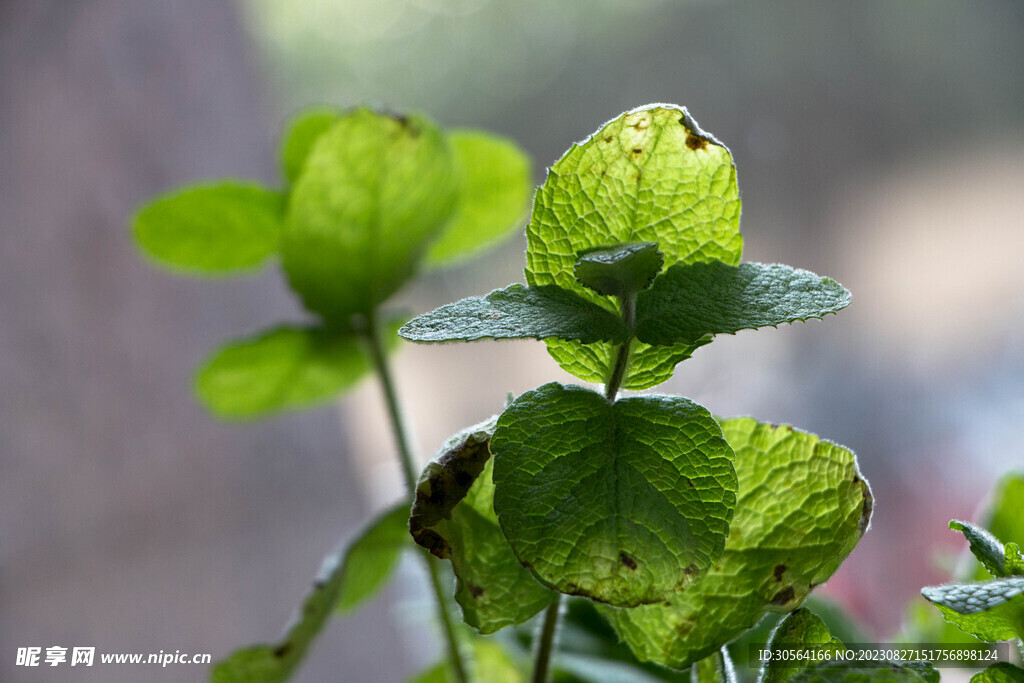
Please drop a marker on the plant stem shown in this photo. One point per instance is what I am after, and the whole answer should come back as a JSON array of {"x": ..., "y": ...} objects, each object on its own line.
[
  {"x": 611, "y": 387},
  {"x": 546, "y": 645},
  {"x": 401, "y": 435}
]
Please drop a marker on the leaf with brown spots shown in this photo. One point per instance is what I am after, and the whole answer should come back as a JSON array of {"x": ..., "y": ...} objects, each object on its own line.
[{"x": 798, "y": 515}]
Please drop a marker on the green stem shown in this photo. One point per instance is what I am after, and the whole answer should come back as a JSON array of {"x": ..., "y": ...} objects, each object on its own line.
[
  {"x": 546, "y": 644},
  {"x": 628, "y": 306},
  {"x": 401, "y": 435}
]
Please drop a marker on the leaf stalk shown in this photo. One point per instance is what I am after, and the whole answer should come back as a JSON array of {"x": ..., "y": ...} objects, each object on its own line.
[{"x": 546, "y": 642}]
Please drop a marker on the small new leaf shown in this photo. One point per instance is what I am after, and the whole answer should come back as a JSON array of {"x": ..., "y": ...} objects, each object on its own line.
[
  {"x": 342, "y": 583},
  {"x": 453, "y": 517},
  {"x": 801, "y": 630},
  {"x": 493, "y": 199},
  {"x": 624, "y": 503},
  {"x": 1013, "y": 563},
  {"x": 689, "y": 302},
  {"x": 991, "y": 611},
  {"x": 803, "y": 506},
  {"x": 212, "y": 229},
  {"x": 620, "y": 271},
  {"x": 518, "y": 312},
  {"x": 984, "y": 547}
]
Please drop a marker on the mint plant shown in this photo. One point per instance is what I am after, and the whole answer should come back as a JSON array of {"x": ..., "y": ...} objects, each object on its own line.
[
  {"x": 682, "y": 530},
  {"x": 368, "y": 199},
  {"x": 991, "y": 607}
]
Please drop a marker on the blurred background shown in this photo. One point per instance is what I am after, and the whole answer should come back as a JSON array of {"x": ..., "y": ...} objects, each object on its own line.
[{"x": 877, "y": 142}]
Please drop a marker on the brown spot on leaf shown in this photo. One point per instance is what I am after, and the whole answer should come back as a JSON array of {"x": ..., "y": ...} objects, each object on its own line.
[
  {"x": 780, "y": 569},
  {"x": 855, "y": 479},
  {"x": 637, "y": 151},
  {"x": 627, "y": 560},
  {"x": 691, "y": 570},
  {"x": 282, "y": 650},
  {"x": 689, "y": 482},
  {"x": 695, "y": 142},
  {"x": 608, "y": 139},
  {"x": 475, "y": 590},
  {"x": 783, "y": 596}
]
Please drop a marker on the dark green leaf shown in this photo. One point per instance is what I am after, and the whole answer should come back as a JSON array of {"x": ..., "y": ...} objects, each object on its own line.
[
  {"x": 991, "y": 611},
  {"x": 621, "y": 270},
  {"x": 213, "y": 229},
  {"x": 342, "y": 583},
  {"x": 802, "y": 507},
  {"x": 984, "y": 546},
  {"x": 374, "y": 191},
  {"x": 1003, "y": 672},
  {"x": 300, "y": 135},
  {"x": 689, "y": 302},
  {"x": 625, "y": 503},
  {"x": 650, "y": 175},
  {"x": 877, "y": 672},
  {"x": 517, "y": 312},
  {"x": 492, "y": 203}
]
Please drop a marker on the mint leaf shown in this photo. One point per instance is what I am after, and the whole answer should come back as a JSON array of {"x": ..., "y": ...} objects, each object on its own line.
[
  {"x": 374, "y": 191},
  {"x": 371, "y": 559},
  {"x": 984, "y": 546},
  {"x": 715, "y": 668},
  {"x": 621, "y": 270},
  {"x": 301, "y": 133},
  {"x": 1013, "y": 563},
  {"x": 650, "y": 175},
  {"x": 518, "y": 312},
  {"x": 802, "y": 507},
  {"x": 991, "y": 611},
  {"x": 285, "y": 368},
  {"x": 800, "y": 629},
  {"x": 213, "y": 229},
  {"x": 1003, "y": 672},
  {"x": 856, "y": 672},
  {"x": 492, "y": 204},
  {"x": 453, "y": 517},
  {"x": 689, "y": 302},
  {"x": 341, "y": 583},
  {"x": 624, "y": 503},
  {"x": 1005, "y": 519}
]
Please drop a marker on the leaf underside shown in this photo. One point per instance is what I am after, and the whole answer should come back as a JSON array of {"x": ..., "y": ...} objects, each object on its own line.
[
  {"x": 650, "y": 175},
  {"x": 688, "y": 303},
  {"x": 1003, "y": 672},
  {"x": 624, "y": 503},
  {"x": 518, "y": 312},
  {"x": 802, "y": 507},
  {"x": 984, "y": 546},
  {"x": 991, "y": 611}
]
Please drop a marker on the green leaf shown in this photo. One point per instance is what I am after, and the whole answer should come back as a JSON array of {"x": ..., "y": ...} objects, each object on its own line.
[
  {"x": 984, "y": 546},
  {"x": 1003, "y": 672},
  {"x": 371, "y": 559},
  {"x": 453, "y": 517},
  {"x": 342, "y": 583},
  {"x": 802, "y": 630},
  {"x": 1005, "y": 519},
  {"x": 491, "y": 664},
  {"x": 624, "y": 503},
  {"x": 802, "y": 507},
  {"x": 1013, "y": 562},
  {"x": 285, "y": 368},
  {"x": 877, "y": 672},
  {"x": 991, "y": 611},
  {"x": 375, "y": 189},
  {"x": 301, "y": 133},
  {"x": 517, "y": 312},
  {"x": 493, "y": 200},
  {"x": 212, "y": 229},
  {"x": 690, "y": 302},
  {"x": 620, "y": 271},
  {"x": 715, "y": 668},
  {"x": 650, "y": 175}
]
